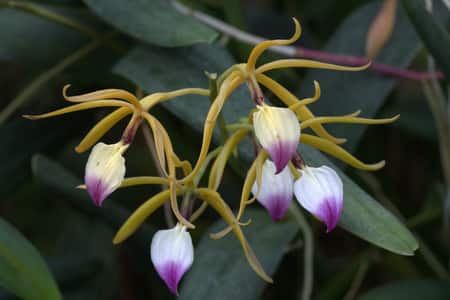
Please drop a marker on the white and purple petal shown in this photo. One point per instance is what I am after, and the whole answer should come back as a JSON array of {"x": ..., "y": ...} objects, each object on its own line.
[
  {"x": 97, "y": 189},
  {"x": 172, "y": 254},
  {"x": 281, "y": 153},
  {"x": 105, "y": 170},
  {"x": 276, "y": 190},
  {"x": 278, "y": 131},
  {"x": 320, "y": 191},
  {"x": 171, "y": 272}
]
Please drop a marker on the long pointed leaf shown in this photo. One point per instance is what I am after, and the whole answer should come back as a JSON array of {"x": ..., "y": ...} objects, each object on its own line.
[{"x": 22, "y": 269}]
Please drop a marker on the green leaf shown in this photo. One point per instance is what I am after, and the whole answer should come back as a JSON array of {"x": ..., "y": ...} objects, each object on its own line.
[
  {"x": 418, "y": 289},
  {"x": 220, "y": 265},
  {"x": 87, "y": 231},
  {"x": 435, "y": 36},
  {"x": 22, "y": 269},
  {"x": 364, "y": 217},
  {"x": 156, "y": 70},
  {"x": 50, "y": 173},
  {"x": 17, "y": 149},
  {"x": 345, "y": 92},
  {"x": 50, "y": 41},
  {"x": 155, "y": 22}
]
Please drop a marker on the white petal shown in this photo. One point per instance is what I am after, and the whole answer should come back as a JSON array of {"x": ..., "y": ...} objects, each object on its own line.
[
  {"x": 276, "y": 190},
  {"x": 172, "y": 254},
  {"x": 320, "y": 191},
  {"x": 105, "y": 170},
  {"x": 278, "y": 131}
]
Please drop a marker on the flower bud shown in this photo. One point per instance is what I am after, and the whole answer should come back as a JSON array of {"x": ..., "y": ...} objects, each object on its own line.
[
  {"x": 381, "y": 29},
  {"x": 172, "y": 255},
  {"x": 278, "y": 132},
  {"x": 276, "y": 190},
  {"x": 320, "y": 191},
  {"x": 105, "y": 170}
]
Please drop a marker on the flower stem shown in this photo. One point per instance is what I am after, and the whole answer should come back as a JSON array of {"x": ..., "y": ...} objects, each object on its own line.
[
  {"x": 430, "y": 258},
  {"x": 441, "y": 113},
  {"x": 45, "y": 77},
  {"x": 438, "y": 108},
  {"x": 148, "y": 137},
  {"x": 170, "y": 221},
  {"x": 294, "y": 51},
  {"x": 308, "y": 260},
  {"x": 212, "y": 78},
  {"x": 52, "y": 16},
  {"x": 357, "y": 280}
]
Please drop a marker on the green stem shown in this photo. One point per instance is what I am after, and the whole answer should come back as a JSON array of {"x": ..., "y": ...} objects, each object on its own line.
[
  {"x": 227, "y": 72},
  {"x": 212, "y": 78},
  {"x": 357, "y": 280},
  {"x": 237, "y": 126},
  {"x": 424, "y": 217},
  {"x": 214, "y": 85},
  {"x": 446, "y": 216},
  {"x": 431, "y": 259},
  {"x": 308, "y": 266},
  {"x": 43, "y": 78},
  {"x": 211, "y": 155},
  {"x": 148, "y": 137},
  {"x": 50, "y": 15},
  {"x": 438, "y": 107}
]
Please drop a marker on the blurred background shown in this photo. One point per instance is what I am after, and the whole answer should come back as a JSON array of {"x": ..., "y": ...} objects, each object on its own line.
[{"x": 51, "y": 233}]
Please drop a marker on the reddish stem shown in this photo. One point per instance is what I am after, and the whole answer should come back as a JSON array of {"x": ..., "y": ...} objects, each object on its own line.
[
  {"x": 358, "y": 61},
  {"x": 255, "y": 91},
  {"x": 130, "y": 131}
]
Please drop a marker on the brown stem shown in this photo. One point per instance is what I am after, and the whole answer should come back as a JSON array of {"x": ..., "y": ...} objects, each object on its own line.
[
  {"x": 294, "y": 51},
  {"x": 360, "y": 60}
]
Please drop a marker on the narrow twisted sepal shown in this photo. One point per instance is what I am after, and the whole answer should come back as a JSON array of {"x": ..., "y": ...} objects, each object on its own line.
[
  {"x": 320, "y": 191},
  {"x": 276, "y": 190},
  {"x": 278, "y": 132},
  {"x": 172, "y": 255},
  {"x": 105, "y": 170}
]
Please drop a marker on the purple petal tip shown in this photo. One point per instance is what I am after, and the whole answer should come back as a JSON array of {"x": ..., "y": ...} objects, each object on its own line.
[
  {"x": 171, "y": 273},
  {"x": 281, "y": 153},
  {"x": 277, "y": 207},
  {"x": 330, "y": 212},
  {"x": 96, "y": 189}
]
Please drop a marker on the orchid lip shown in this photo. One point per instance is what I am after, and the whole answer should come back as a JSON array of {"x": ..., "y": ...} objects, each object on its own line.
[
  {"x": 278, "y": 132},
  {"x": 282, "y": 153},
  {"x": 171, "y": 272},
  {"x": 172, "y": 254},
  {"x": 96, "y": 189},
  {"x": 320, "y": 191},
  {"x": 277, "y": 207},
  {"x": 105, "y": 170},
  {"x": 329, "y": 212},
  {"x": 276, "y": 190}
]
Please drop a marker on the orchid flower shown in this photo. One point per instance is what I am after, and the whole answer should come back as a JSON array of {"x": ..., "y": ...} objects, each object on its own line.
[
  {"x": 172, "y": 255},
  {"x": 275, "y": 191},
  {"x": 277, "y": 129},
  {"x": 276, "y": 133},
  {"x": 105, "y": 170},
  {"x": 320, "y": 191}
]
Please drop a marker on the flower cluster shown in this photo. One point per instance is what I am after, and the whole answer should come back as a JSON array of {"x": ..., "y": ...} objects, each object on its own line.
[{"x": 277, "y": 174}]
